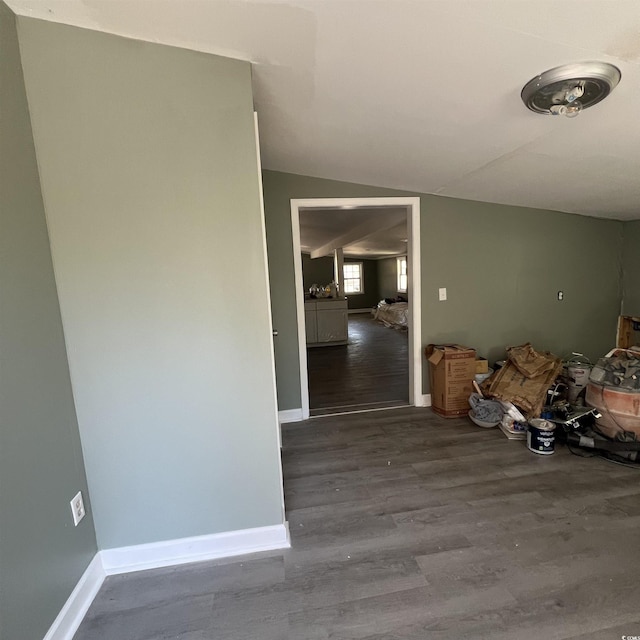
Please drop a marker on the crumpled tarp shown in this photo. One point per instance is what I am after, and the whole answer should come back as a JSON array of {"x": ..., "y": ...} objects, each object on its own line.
[{"x": 485, "y": 410}]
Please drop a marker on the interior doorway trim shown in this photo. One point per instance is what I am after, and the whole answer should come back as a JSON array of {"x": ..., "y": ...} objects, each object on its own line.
[{"x": 412, "y": 204}]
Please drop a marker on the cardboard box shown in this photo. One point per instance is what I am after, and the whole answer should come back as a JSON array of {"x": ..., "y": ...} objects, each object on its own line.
[
  {"x": 482, "y": 365},
  {"x": 452, "y": 369},
  {"x": 628, "y": 332}
]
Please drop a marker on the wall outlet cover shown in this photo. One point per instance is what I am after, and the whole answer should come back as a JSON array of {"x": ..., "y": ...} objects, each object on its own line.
[{"x": 77, "y": 508}]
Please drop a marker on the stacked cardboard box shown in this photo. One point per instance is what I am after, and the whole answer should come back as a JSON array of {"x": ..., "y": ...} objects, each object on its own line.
[{"x": 482, "y": 365}]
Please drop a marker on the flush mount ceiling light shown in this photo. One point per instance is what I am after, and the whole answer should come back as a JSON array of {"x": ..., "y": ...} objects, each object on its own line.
[{"x": 567, "y": 90}]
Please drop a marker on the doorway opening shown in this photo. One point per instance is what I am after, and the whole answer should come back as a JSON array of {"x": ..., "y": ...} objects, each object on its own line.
[
  {"x": 370, "y": 372},
  {"x": 345, "y": 230}
]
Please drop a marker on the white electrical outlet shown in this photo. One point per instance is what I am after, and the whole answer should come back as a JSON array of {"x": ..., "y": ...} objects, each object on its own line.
[
  {"x": 442, "y": 294},
  {"x": 77, "y": 508}
]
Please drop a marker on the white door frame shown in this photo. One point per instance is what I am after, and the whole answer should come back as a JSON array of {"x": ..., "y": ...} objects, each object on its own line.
[
  {"x": 272, "y": 354},
  {"x": 414, "y": 289}
]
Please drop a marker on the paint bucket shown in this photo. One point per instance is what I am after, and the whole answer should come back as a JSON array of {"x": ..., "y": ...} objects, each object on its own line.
[
  {"x": 541, "y": 437},
  {"x": 577, "y": 372}
]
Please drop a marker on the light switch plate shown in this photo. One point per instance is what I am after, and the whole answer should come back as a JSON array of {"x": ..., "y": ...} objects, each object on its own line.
[{"x": 442, "y": 294}]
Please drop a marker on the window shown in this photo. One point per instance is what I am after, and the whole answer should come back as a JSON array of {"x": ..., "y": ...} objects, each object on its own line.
[
  {"x": 402, "y": 274},
  {"x": 353, "y": 277}
]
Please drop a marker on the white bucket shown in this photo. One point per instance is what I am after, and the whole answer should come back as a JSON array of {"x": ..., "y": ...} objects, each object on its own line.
[
  {"x": 576, "y": 370},
  {"x": 577, "y": 379}
]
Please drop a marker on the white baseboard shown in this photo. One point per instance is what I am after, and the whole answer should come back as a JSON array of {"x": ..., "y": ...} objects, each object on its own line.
[
  {"x": 68, "y": 620},
  {"x": 196, "y": 549},
  {"x": 290, "y": 415},
  {"x": 424, "y": 400},
  {"x": 350, "y": 311},
  {"x": 159, "y": 554}
]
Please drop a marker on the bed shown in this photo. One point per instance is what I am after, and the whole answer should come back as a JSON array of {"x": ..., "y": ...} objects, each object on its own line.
[{"x": 392, "y": 314}]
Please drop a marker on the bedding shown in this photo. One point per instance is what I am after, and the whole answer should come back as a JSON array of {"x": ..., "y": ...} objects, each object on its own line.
[{"x": 393, "y": 314}]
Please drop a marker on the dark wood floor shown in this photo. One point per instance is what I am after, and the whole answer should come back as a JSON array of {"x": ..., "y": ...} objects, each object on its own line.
[
  {"x": 371, "y": 371},
  {"x": 406, "y": 526}
]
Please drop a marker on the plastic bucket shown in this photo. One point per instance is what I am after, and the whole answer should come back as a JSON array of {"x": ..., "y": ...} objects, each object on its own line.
[{"x": 541, "y": 437}]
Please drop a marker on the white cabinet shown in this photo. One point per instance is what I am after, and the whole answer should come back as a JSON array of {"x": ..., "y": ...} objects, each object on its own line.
[
  {"x": 331, "y": 320},
  {"x": 310, "y": 323},
  {"x": 326, "y": 322}
]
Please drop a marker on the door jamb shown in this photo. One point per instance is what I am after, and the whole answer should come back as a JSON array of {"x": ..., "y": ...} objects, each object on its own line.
[{"x": 416, "y": 397}]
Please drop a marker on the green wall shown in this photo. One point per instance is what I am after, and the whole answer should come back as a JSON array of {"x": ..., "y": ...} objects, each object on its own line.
[
  {"x": 149, "y": 176},
  {"x": 42, "y": 555},
  {"x": 388, "y": 278},
  {"x": 371, "y": 294},
  {"x": 502, "y": 267},
  {"x": 279, "y": 188},
  {"x": 320, "y": 271},
  {"x": 316, "y": 271},
  {"x": 631, "y": 269}
]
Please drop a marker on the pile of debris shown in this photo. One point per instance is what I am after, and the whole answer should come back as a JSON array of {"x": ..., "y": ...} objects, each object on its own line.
[
  {"x": 517, "y": 391},
  {"x": 620, "y": 368},
  {"x": 524, "y": 379},
  {"x": 541, "y": 402},
  {"x": 521, "y": 386}
]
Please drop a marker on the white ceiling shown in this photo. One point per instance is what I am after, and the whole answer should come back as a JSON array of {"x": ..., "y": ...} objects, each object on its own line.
[
  {"x": 422, "y": 95},
  {"x": 373, "y": 232}
]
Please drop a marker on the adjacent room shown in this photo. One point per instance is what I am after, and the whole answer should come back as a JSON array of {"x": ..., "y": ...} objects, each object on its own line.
[
  {"x": 319, "y": 319},
  {"x": 356, "y": 307}
]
